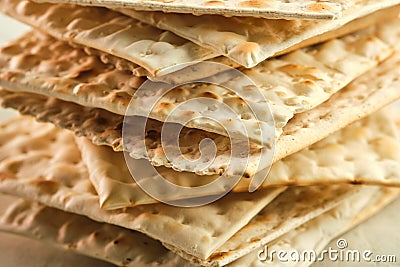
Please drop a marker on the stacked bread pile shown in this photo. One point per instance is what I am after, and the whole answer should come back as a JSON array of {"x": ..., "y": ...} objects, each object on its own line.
[{"x": 326, "y": 68}]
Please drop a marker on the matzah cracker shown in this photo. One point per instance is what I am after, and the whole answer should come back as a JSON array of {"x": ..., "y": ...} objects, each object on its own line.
[
  {"x": 280, "y": 173},
  {"x": 294, "y": 207},
  {"x": 77, "y": 233},
  {"x": 299, "y": 203},
  {"x": 364, "y": 96},
  {"x": 297, "y": 211},
  {"x": 191, "y": 72},
  {"x": 119, "y": 245},
  {"x": 249, "y": 41},
  {"x": 59, "y": 183},
  {"x": 292, "y": 84},
  {"x": 153, "y": 49},
  {"x": 116, "y": 187},
  {"x": 37, "y": 253},
  {"x": 316, "y": 234},
  {"x": 306, "y": 9},
  {"x": 331, "y": 160}
]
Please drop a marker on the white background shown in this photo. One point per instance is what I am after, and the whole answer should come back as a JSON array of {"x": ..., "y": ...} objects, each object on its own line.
[{"x": 380, "y": 234}]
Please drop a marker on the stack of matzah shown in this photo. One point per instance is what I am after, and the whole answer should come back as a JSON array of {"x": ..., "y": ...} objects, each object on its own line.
[{"x": 324, "y": 69}]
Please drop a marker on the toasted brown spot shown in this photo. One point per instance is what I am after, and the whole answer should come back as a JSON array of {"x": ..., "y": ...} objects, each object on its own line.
[
  {"x": 210, "y": 95},
  {"x": 254, "y": 3},
  {"x": 214, "y": 3},
  {"x": 6, "y": 176},
  {"x": 318, "y": 7},
  {"x": 307, "y": 83},
  {"x": 45, "y": 186}
]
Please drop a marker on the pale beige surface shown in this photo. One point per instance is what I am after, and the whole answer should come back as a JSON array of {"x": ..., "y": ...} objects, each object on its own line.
[
  {"x": 311, "y": 9},
  {"x": 37, "y": 253},
  {"x": 294, "y": 207},
  {"x": 379, "y": 234},
  {"x": 250, "y": 41},
  {"x": 155, "y": 50},
  {"x": 291, "y": 84}
]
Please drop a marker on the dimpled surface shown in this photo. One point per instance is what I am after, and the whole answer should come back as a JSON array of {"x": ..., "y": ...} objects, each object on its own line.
[
  {"x": 311, "y": 9},
  {"x": 109, "y": 31},
  {"x": 292, "y": 84},
  {"x": 198, "y": 231},
  {"x": 248, "y": 40}
]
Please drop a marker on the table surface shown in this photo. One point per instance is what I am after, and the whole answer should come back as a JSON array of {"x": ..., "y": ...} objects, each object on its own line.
[{"x": 380, "y": 234}]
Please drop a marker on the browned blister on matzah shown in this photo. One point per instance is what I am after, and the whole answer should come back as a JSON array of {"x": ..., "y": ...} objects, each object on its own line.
[
  {"x": 291, "y": 84},
  {"x": 153, "y": 49},
  {"x": 250, "y": 41}
]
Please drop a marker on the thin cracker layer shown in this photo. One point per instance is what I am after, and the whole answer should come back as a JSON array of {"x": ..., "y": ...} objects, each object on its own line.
[
  {"x": 249, "y": 41},
  {"x": 305, "y": 9},
  {"x": 290, "y": 85},
  {"x": 198, "y": 231},
  {"x": 361, "y": 98},
  {"x": 111, "y": 32}
]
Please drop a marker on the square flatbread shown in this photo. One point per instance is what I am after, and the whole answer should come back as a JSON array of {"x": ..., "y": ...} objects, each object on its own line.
[
  {"x": 62, "y": 181},
  {"x": 111, "y": 32},
  {"x": 293, "y": 84},
  {"x": 249, "y": 41},
  {"x": 306, "y": 9},
  {"x": 123, "y": 247},
  {"x": 366, "y": 152},
  {"x": 361, "y": 98}
]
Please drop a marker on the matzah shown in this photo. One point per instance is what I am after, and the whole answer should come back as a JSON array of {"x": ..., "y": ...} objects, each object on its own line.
[
  {"x": 77, "y": 233},
  {"x": 316, "y": 234},
  {"x": 361, "y": 98},
  {"x": 61, "y": 183},
  {"x": 310, "y": 9},
  {"x": 297, "y": 205},
  {"x": 330, "y": 161},
  {"x": 292, "y": 84},
  {"x": 153, "y": 49},
  {"x": 123, "y": 247},
  {"x": 249, "y": 41},
  {"x": 179, "y": 75}
]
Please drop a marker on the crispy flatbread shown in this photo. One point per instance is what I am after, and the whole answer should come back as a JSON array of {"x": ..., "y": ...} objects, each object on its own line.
[
  {"x": 111, "y": 32},
  {"x": 333, "y": 160},
  {"x": 305, "y": 9},
  {"x": 64, "y": 186},
  {"x": 249, "y": 41},
  {"x": 290, "y": 85},
  {"x": 63, "y": 182},
  {"x": 361, "y": 98},
  {"x": 129, "y": 248}
]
